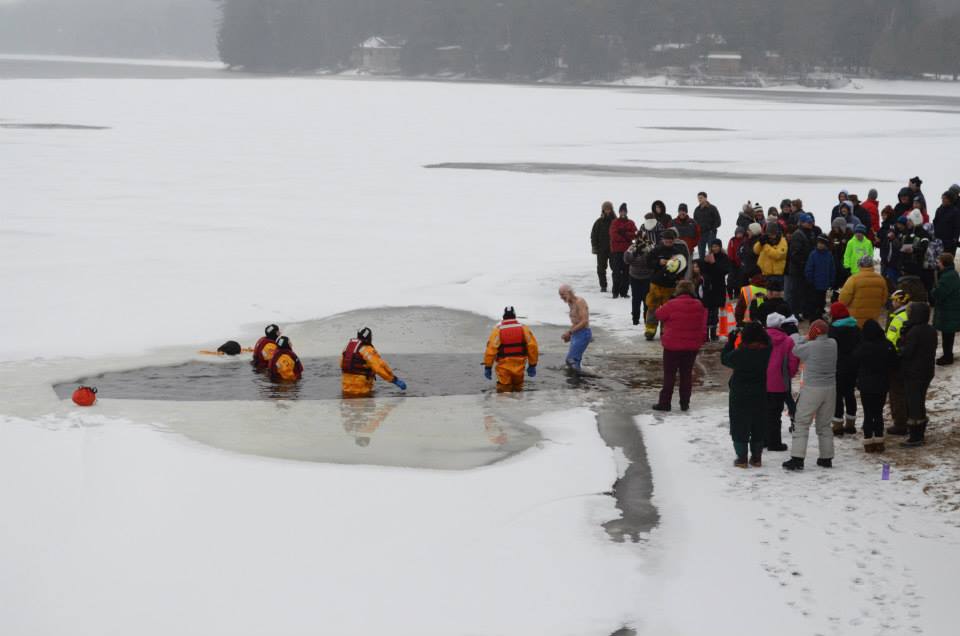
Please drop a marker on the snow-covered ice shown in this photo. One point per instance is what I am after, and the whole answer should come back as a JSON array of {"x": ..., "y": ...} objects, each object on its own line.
[{"x": 208, "y": 208}]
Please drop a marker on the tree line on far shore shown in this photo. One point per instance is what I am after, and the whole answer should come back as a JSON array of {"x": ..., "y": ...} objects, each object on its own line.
[{"x": 595, "y": 38}]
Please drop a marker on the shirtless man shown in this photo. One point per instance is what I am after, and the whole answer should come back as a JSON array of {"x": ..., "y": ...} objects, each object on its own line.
[{"x": 579, "y": 334}]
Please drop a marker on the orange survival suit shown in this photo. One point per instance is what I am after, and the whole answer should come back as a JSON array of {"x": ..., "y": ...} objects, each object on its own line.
[
  {"x": 512, "y": 345},
  {"x": 264, "y": 351},
  {"x": 360, "y": 364},
  {"x": 285, "y": 365}
]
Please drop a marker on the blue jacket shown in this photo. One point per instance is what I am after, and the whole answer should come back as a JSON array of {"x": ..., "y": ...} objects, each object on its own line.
[{"x": 820, "y": 270}]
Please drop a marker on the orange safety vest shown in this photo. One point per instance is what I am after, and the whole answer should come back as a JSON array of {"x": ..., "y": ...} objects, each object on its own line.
[
  {"x": 513, "y": 341},
  {"x": 352, "y": 361}
]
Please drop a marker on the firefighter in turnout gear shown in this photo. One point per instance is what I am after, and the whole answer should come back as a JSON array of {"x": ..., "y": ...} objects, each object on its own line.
[
  {"x": 361, "y": 364},
  {"x": 513, "y": 347}
]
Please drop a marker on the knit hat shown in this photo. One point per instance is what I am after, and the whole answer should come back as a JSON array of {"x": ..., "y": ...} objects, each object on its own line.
[
  {"x": 716, "y": 242},
  {"x": 774, "y": 320},
  {"x": 917, "y": 181},
  {"x": 773, "y": 228},
  {"x": 902, "y": 220},
  {"x": 873, "y": 194},
  {"x": 822, "y": 238},
  {"x": 817, "y": 328},
  {"x": 682, "y": 207},
  {"x": 915, "y": 217},
  {"x": 805, "y": 218},
  {"x": 755, "y": 229},
  {"x": 839, "y": 223},
  {"x": 838, "y": 310},
  {"x": 865, "y": 262},
  {"x": 739, "y": 231},
  {"x": 859, "y": 229},
  {"x": 669, "y": 233},
  {"x": 757, "y": 208},
  {"x": 623, "y": 207}
]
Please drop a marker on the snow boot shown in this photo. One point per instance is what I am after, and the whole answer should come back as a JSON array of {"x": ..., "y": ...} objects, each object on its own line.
[
  {"x": 740, "y": 462},
  {"x": 777, "y": 447},
  {"x": 879, "y": 447},
  {"x": 636, "y": 322},
  {"x": 684, "y": 406},
  {"x": 897, "y": 430},
  {"x": 794, "y": 463},
  {"x": 837, "y": 427},
  {"x": 869, "y": 445},
  {"x": 825, "y": 463},
  {"x": 661, "y": 407},
  {"x": 756, "y": 461},
  {"x": 713, "y": 334},
  {"x": 916, "y": 435},
  {"x": 944, "y": 361},
  {"x": 850, "y": 425},
  {"x": 649, "y": 336}
]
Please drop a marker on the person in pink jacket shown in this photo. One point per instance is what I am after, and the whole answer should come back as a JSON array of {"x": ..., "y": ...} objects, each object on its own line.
[
  {"x": 683, "y": 332},
  {"x": 783, "y": 366}
]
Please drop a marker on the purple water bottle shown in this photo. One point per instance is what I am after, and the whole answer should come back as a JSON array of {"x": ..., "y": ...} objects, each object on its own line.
[{"x": 885, "y": 475}]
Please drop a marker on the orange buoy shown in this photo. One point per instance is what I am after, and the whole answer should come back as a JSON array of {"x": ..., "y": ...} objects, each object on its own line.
[{"x": 85, "y": 396}]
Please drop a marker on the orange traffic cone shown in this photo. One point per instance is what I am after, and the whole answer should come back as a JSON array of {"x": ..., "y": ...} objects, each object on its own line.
[{"x": 723, "y": 330}]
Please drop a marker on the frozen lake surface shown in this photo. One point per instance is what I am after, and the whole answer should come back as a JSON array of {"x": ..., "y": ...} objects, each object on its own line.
[{"x": 145, "y": 219}]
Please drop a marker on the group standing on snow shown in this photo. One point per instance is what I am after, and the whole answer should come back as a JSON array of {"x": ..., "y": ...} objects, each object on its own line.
[{"x": 781, "y": 269}]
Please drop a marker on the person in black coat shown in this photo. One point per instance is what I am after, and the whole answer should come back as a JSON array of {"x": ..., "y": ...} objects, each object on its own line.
[
  {"x": 918, "y": 353},
  {"x": 946, "y": 222},
  {"x": 874, "y": 357},
  {"x": 715, "y": 267},
  {"x": 802, "y": 242},
  {"x": 843, "y": 329},
  {"x": 600, "y": 242}
]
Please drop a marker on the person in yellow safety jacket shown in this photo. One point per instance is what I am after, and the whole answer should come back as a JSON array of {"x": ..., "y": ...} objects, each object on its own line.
[
  {"x": 285, "y": 365},
  {"x": 755, "y": 290},
  {"x": 360, "y": 365},
  {"x": 899, "y": 301},
  {"x": 513, "y": 347}
]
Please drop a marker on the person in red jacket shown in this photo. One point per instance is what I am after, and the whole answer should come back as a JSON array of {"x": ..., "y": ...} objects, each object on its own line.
[
  {"x": 622, "y": 233},
  {"x": 683, "y": 322},
  {"x": 686, "y": 228},
  {"x": 872, "y": 206},
  {"x": 735, "y": 279}
]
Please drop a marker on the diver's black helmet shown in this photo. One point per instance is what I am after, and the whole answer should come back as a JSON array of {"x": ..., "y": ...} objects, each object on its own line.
[
  {"x": 272, "y": 331},
  {"x": 365, "y": 335},
  {"x": 284, "y": 343}
]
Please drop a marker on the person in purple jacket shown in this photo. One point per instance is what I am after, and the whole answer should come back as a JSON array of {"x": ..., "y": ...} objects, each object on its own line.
[{"x": 783, "y": 366}]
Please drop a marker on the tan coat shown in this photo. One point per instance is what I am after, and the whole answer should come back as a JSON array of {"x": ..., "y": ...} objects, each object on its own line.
[{"x": 864, "y": 294}]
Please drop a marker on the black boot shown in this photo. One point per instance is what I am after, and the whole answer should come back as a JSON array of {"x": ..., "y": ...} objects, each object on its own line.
[
  {"x": 756, "y": 460},
  {"x": 794, "y": 463},
  {"x": 897, "y": 430},
  {"x": 915, "y": 438},
  {"x": 945, "y": 361},
  {"x": 713, "y": 334},
  {"x": 661, "y": 407},
  {"x": 825, "y": 463},
  {"x": 850, "y": 425}
]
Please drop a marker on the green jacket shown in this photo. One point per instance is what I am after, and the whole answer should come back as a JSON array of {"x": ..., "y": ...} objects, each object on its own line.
[
  {"x": 946, "y": 302},
  {"x": 856, "y": 249}
]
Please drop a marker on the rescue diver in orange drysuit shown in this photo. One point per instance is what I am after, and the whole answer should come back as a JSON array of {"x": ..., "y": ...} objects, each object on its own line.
[
  {"x": 285, "y": 364},
  {"x": 513, "y": 346},
  {"x": 265, "y": 348},
  {"x": 361, "y": 363}
]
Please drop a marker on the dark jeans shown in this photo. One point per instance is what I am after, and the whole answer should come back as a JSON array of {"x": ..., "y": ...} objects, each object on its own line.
[
  {"x": 674, "y": 361},
  {"x": 815, "y": 305},
  {"x": 713, "y": 316},
  {"x": 916, "y": 391},
  {"x": 639, "y": 288},
  {"x": 603, "y": 260},
  {"x": 621, "y": 279},
  {"x": 846, "y": 396},
  {"x": 948, "y": 337},
  {"x": 872, "y": 414},
  {"x": 705, "y": 237},
  {"x": 775, "y": 404},
  {"x": 794, "y": 292}
]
